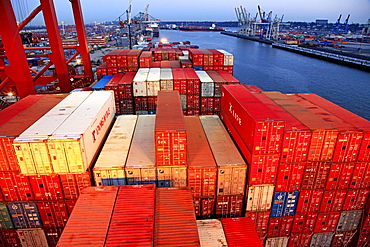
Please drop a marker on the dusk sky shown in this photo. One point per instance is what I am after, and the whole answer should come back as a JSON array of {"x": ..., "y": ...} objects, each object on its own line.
[{"x": 213, "y": 10}]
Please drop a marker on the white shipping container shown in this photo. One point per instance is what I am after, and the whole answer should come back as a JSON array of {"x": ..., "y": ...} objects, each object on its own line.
[
  {"x": 211, "y": 233},
  {"x": 183, "y": 57},
  {"x": 81, "y": 135},
  {"x": 322, "y": 239},
  {"x": 172, "y": 176},
  {"x": 349, "y": 220},
  {"x": 153, "y": 81},
  {"x": 277, "y": 242},
  {"x": 32, "y": 237},
  {"x": 207, "y": 84},
  {"x": 112, "y": 158},
  {"x": 228, "y": 58},
  {"x": 30, "y": 147},
  {"x": 260, "y": 197},
  {"x": 140, "y": 166},
  {"x": 166, "y": 79},
  {"x": 139, "y": 82},
  {"x": 232, "y": 169}
]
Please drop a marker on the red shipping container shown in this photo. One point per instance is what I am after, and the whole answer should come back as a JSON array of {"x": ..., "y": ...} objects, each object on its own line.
[
  {"x": 46, "y": 187},
  {"x": 349, "y": 137},
  {"x": 230, "y": 71},
  {"x": 280, "y": 227},
  {"x": 365, "y": 227},
  {"x": 73, "y": 184},
  {"x": 260, "y": 128},
  {"x": 15, "y": 187},
  {"x": 185, "y": 63},
  {"x": 193, "y": 81},
  {"x": 170, "y": 130},
  {"x": 289, "y": 177},
  {"x": 262, "y": 169},
  {"x": 196, "y": 57},
  {"x": 219, "y": 81},
  {"x": 332, "y": 201},
  {"x": 356, "y": 199},
  {"x": 261, "y": 222},
  {"x": 53, "y": 235},
  {"x": 300, "y": 239},
  {"x": 326, "y": 222},
  {"x": 179, "y": 80},
  {"x": 9, "y": 238},
  {"x": 227, "y": 75},
  {"x": 324, "y": 135},
  {"x": 304, "y": 222},
  {"x": 101, "y": 71},
  {"x": 112, "y": 71},
  {"x": 152, "y": 103},
  {"x": 133, "y": 58},
  {"x": 361, "y": 176},
  {"x": 349, "y": 117},
  {"x": 122, "y": 58},
  {"x": 127, "y": 106},
  {"x": 315, "y": 175},
  {"x": 297, "y": 137},
  {"x": 193, "y": 102},
  {"x": 218, "y": 57},
  {"x": 229, "y": 206},
  {"x": 217, "y": 104},
  {"x": 363, "y": 240},
  {"x": 202, "y": 169},
  {"x": 343, "y": 239},
  {"x": 157, "y": 55},
  {"x": 207, "y": 105},
  {"x": 253, "y": 88},
  {"x": 113, "y": 85},
  {"x": 207, "y": 57},
  {"x": 53, "y": 214},
  {"x": 175, "y": 223},
  {"x": 204, "y": 207},
  {"x": 240, "y": 232},
  {"x": 309, "y": 200},
  {"x": 135, "y": 205},
  {"x": 145, "y": 59},
  {"x": 340, "y": 176},
  {"x": 165, "y": 64},
  {"x": 70, "y": 204},
  {"x": 141, "y": 103},
  {"x": 111, "y": 58}
]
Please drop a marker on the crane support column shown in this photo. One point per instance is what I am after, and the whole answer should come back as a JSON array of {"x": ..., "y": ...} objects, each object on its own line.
[
  {"x": 57, "y": 57},
  {"x": 82, "y": 40},
  {"x": 18, "y": 69}
]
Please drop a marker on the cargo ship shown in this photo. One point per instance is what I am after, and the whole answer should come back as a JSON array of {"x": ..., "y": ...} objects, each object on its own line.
[{"x": 213, "y": 28}]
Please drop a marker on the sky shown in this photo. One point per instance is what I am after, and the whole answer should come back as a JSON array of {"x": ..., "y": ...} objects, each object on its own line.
[{"x": 212, "y": 10}]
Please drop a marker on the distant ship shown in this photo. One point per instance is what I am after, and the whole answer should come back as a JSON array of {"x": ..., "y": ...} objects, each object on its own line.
[{"x": 196, "y": 28}]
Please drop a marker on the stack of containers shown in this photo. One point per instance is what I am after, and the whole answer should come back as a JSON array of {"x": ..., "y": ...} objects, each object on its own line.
[
  {"x": 125, "y": 89},
  {"x": 109, "y": 169},
  {"x": 258, "y": 132},
  {"x": 231, "y": 169},
  {"x": 140, "y": 91},
  {"x": 211, "y": 59},
  {"x": 202, "y": 169},
  {"x": 100, "y": 85},
  {"x": 153, "y": 86},
  {"x": 166, "y": 79},
  {"x": 113, "y": 85},
  {"x": 207, "y": 93},
  {"x": 192, "y": 92},
  {"x": 218, "y": 82},
  {"x": 241, "y": 232},
  {"x": 17, "y": 196},
  {"x": 180, "y": 85}
]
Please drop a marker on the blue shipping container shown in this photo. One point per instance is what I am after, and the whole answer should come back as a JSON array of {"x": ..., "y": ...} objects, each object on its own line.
[
  {"x": 24, "y": 215},
  {"x": 284, "y": 203},
  {"x": 113, "y": 181},
  {"x": 99, "y": 86}
]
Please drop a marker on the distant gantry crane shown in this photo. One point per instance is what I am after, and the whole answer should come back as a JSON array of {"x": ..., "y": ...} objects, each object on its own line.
[{"x": 341, "y": 28}]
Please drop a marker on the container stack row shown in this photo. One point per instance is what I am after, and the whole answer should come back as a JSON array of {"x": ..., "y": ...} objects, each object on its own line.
[
  {"x": 136, "y": 92},
  {"x": 315, "y": 191},
  {"x": 46, "y": 151}
]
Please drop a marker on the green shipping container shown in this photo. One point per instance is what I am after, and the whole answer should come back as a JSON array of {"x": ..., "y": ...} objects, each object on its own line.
[{"x": 5, "y": 219}]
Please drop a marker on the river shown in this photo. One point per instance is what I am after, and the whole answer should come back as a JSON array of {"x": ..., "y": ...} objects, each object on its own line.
[{"x": 273, "y": 69}]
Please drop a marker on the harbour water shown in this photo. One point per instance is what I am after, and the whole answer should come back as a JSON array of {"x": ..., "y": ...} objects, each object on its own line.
[{"x": 273, "y": 69}]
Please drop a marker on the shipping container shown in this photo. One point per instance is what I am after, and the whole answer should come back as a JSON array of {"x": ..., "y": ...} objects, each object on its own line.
[
  {"x": 343, "y": 238},
  {"x": 99, "y": 86},
  {"x": 171, "y": 176},
  {"x": 280, "y": 227},
  {"x": 324, "y": 135},
  {"x": 333, "y": 200},
  {"x": 73, "y": 184},
  {"x": 289, "y": 176},
  {"x": 349, "y": 117},
  {"x": 193, "y": 81},
  {"x": 113, "y": 85},
  {"x": 227, "y": 75},
  {"x": 5, "y": 218},
  {"x": 193, "y": 102},
  {"x": 349, "y": 137},
  {"x": 356, "y": 199},
  {"x": 53, "y": 235},
  {"x": 24, "y": 215},
  {"x": 229, "y": 206},
  {"x": 109, "y": 167},
  {"x": 207, "y": 84},
  {"x": 53, "y": 214},
  {"x": 14, "y": 127},
  {"x": 196, "y": 57},
  {"x": 240, "y": 232},
  {"x": 140, "y": 165},
  {"x": 132, "y": 222},
  {"x": 204, "y": 207},
  {"x": 304, "y": 222},
  {"x": 170, "y": 130},
  {"x": 349, "y": 220},
  {"x": 145, "y": 59},
  {"x": 153, "y": 81},
  {"x": 15, "y": 187},
  {"x": 261, "y": 222},
  {"x": 277, "y": 242},
  {"x": 262, "y": 169},
  {"x": 284, "y": 203},
  {"x": 300, "y": 239},
  {"x": 315, "y": 175},
  {"x": 125, "y": 88},
  {"x": 179, "y": 81},
  {"x": 228, "y": 58},
  {"x": 322, "y": 239},
  {"x": 211, "y": 233},
  {"x": 361, "y": 175},
  {"x": 166, "y": 79},
  {"x": 309, "y": 200},
  {"x": 326, "y": 222},
  {"x": 9, "y": 238},
  {"x": 253, "y": 88},
  {"x": 259, "y": 197},
  {"x": 30, "y": 147},
  {"x": 86, "y": 227},
  {"x": 32, "y": 237},
  {"x": 46, "y": 187},
  {"x": 363, "y": 240},
  {"x": 202, "y": 169},
  {"x": 175, "y": 223},
  {"x": 231, "y": 166},
  {"x": 139, "y": 82},
  {"x": 340, "y": 176},
  {"x": 260, "y": 128}
]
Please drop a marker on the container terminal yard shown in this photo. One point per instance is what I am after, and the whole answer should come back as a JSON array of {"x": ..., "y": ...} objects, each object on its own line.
[{"x": 166, "y": 141}]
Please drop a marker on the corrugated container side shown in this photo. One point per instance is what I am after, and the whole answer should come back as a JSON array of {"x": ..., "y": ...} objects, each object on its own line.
[
  {"x": 204, "y": 207},
  {"x": 309, "y": 200},
  {"x": 166, "y": 79},
  {"x": 15, "y": 187},
  {"x": 9, "y": 238},
  {"x": 85, "y": 227},
  {"x": 361, "y": 176},
  {"x": 249, "y": 115},
  {"x": 109, "y": 167},
  {"x": 277, "y": 242},
  {"x": 53, "y": 214},
  {"x": 53, "y": 235},
  {"x": 207, "y": 84},
  {"x": 363, "y": 239},
  {"x": 289, "y": 176},
  {"x": 229, "y": 206},
  {"x": 261, "y": 222},
  {"x": 231, "y": 176},
  {"x": 327, "y": 222},
  {"x": 262, "y": 169},
  {"x": 171, "y": 176},
  {"x": 332, "y": 200},
  {"x": 340, "y": 176},
  {"x": 300, "y": 239},
  {"x": 304, "y": 222},
  {"x": 284, "y": 203},
  {"x": 349, "y": 220},
  {"x": 240, "y": 232},
  {"x": 32, "y": 237},
  {"x": 322, "y": 239},
  {"x": 73, "y": 184},
  {"x": 46, "y": 187},
  {"x": 5, "y": 218},
  {"x": 315, "y": 175},
  {"x": 194, "y": 85},
  {"x": 324, "y": 135},
  {"x": 139, "y": 82},
  {"x": 135, "y": 205},
  {"x": 356, "y": 199},
  {"x": 179, "y": 80},
  {"x": 280, "y": 227},
  {"x": 259, "y": 197},
  {"x": 174, "y": 215},
  {"x": 153, "y": 81},
  {"x": 24, "y": 215},
  {"x": 343, "y": 238},
  {"x": 211, "y": 233},
  {"x": 202, "y": 169}
]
